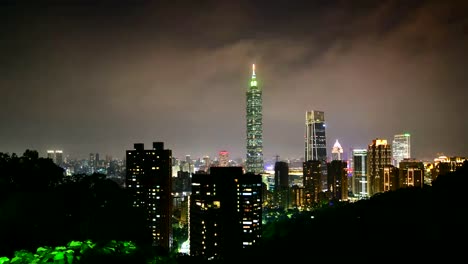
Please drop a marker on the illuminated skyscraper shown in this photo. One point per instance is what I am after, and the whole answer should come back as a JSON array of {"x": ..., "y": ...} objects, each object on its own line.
[
  {"x": 254, "y": 162},
  {"x": 149, "y": 180},
  {"x": 360, "y": 176},
  {"x": 379, "y": 155},
  {"x": 315, "y": 140},
  {"x": 337, "y": 151},
  {"x": 401, "y": 148}
]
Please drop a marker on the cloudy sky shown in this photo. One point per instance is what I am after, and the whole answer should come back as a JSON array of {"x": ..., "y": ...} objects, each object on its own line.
[{"x": 98, "y": 76}]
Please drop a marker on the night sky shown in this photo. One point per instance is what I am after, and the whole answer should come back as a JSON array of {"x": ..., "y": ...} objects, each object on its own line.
[{"x": 98, "y": 76}]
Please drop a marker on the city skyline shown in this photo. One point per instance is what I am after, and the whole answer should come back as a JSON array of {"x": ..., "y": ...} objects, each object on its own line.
[{"x": 87, "y": 78}]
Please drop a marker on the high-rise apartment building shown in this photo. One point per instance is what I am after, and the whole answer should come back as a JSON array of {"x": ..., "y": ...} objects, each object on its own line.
[
  {"x": 401, "y": 148},
  {"x": 360, "y": 176},
  {"x": 379, "y": 154},
  {"x": 225, "y": 212},
  {"x": 254, "y": 118},
  {"x": 149, "y": 179}
]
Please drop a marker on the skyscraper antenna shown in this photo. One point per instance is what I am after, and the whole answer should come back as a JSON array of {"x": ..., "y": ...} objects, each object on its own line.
[{"x": 253, "y": 69}]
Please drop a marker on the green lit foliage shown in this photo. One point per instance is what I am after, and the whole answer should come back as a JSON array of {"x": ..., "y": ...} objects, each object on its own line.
[{"x": 76, "y": 252}]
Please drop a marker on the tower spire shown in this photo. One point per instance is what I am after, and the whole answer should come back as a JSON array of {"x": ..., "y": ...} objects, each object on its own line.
[{"x": 253, "y": 80}]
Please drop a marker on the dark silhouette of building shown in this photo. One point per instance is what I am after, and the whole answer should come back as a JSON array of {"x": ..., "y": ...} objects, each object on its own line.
[
  {"x": 337, "y": 180},
  {"x": 149, "y": 178},
  {"x": 225, "y": 212},
  {"x": 182, "y": 183},
  {"x": 281, "y": 190},
  {"x": 312, "y": 175}
]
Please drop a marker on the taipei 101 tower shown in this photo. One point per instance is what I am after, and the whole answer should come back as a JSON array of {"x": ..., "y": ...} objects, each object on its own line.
[{"x": 254, "y": 162}]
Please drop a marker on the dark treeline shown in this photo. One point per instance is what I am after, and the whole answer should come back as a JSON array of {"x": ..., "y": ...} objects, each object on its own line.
[
  {"x": 419, "y": 224},
  {"x": 39, "y": 206}
]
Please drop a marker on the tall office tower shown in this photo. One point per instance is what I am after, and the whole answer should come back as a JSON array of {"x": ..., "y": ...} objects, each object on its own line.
[
  {"x": 401, "y": 148},
  {"x": 411, "y": 173},
  {"x": 379, "y": 154},
  {"x": 337, "y": 151},
  {"x": 223, "y": 158},
  {"x": 149, "y": 179},
  {"x": 312, "y": 176},
  {"x": 281, "y": 190},
  {"x": 254, "y": 117},
  {"x": 225, "y": 212},
  {"x": 338, "y": 180},
  {"x": 315, "y": 140},
  {"x": 359, "y": 179}
]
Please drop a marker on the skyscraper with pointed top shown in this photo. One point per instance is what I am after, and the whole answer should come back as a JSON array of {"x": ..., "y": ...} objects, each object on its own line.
[
  {"x": 254, "y": 116},
  {"x": 337, "y": 151}
]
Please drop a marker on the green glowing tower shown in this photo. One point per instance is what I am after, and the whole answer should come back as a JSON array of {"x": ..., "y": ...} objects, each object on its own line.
[{"x": 254, "y": 162}]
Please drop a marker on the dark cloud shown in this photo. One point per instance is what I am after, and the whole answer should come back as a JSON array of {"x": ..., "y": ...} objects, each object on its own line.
[{"x": 99, "y": 76}]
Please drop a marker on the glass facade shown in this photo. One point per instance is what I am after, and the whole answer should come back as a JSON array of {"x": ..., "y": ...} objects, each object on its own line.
[
  {"x": 401, "y": 148},
  {"x": 315, "y": 140}
]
